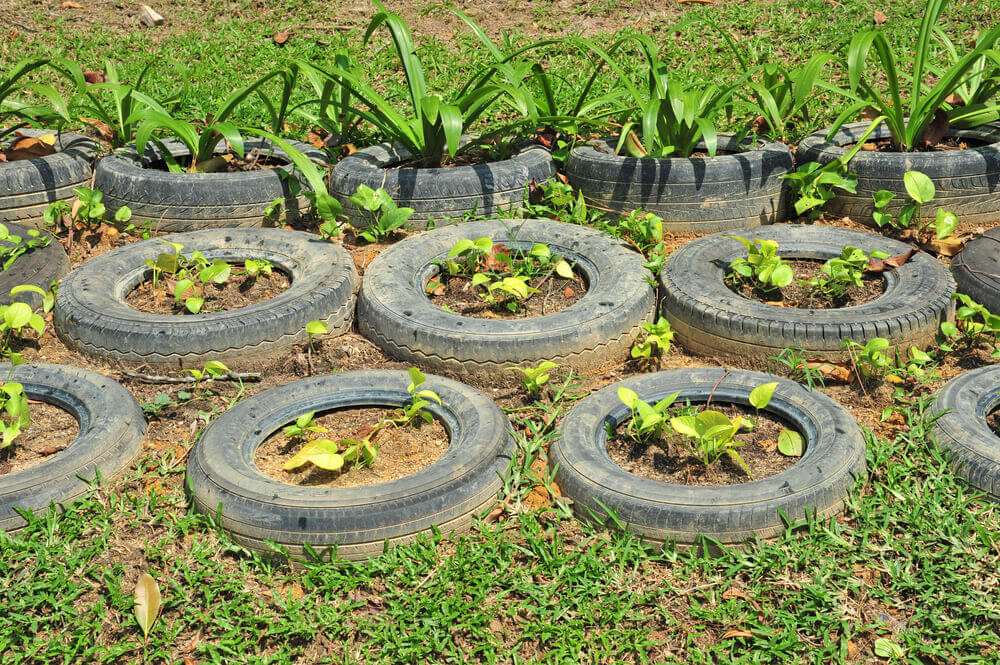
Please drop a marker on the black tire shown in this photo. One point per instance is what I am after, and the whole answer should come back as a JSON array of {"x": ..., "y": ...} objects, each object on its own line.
[
  {"x": 91, "y": 314},
  {"x": 223, "y": 479},
  {"x": 441, "y": 194},
  {"x": 597, "y": 330},
  {"x": 661, "y": 512},
  {"x": 967, "y": 181},
  {"x": 112, "y": 428},
  {"x": 27, "y": 187},
  {"x": 962, "y": 431},
  {"x": 174, "y": 202},
  {"x": 711, "y": 319},
  {"x": 692, "y": 195},
  {"x": 38, "y": 267},
  {"x": 977, "y": 270}
]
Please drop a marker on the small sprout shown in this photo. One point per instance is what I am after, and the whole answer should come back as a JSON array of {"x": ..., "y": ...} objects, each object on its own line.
[
  {"x": 533, "y": 378},
  {"x": 657, "y": 341}
]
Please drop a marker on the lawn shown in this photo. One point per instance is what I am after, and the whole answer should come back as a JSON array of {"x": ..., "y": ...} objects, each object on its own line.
[{"x": 907, "y": 574}]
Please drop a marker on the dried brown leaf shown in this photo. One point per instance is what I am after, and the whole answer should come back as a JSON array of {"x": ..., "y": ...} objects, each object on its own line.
[
  {"x": 881, "y": 265},
  {"x": 736, "y": 632},
  {"x": 281, "y": 37},
  {"x": 879, "y": 17},
  {"x": 71, "y": 5},
  {"x": 147, "y": 602}
]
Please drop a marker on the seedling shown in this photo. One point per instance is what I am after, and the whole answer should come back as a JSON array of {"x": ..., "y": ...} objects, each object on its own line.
[
  {"x": 212, "y": 370},
  {"x": 712, "y": 435},
  {"x": 871, "y": 359},
  {"x": 840, "y": 273},
  {"x": 381, "y": 214},
  {"x": 313, "y": 328},
  {"x": 974, "y": 324},
  {"x": 921, "y": 191},
  {"x": 763, "y": 267},
  {"x": 15, "y": 416},
  {"x": 303, "y": 425},
  {"x": 533, "y": 378},
  {"x": 657, "y": 340},
  {"x": 14, "y": 246},
  {"x": 798, "y": 368},
  {"x": 645, "y": 232},
  {"x": 647, "y": 419},
  {"x": 87, "y": 213}
]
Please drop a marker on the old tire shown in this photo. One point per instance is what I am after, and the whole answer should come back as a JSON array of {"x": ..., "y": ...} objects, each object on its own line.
[
  {"x": 39, "y": 266},
  {"x": 967, "y": 181},
  {"x": 597, "y": 330},
  {"x": 441, "y": 194},
  {"x": 692, "y": 195},
  {"x": 91, "y": 315},
  {"x": 977, "y": 270},
  {"x": 27, "y": 187},
  {"x": 962, "y": 431},
  {"x": 112, "y": 428},
  {"x": 711, "y": 319},
  {"x": 224, "y": 481},
  {"x": 662, "y": 512},
  {"x": 173, "y": 202}
]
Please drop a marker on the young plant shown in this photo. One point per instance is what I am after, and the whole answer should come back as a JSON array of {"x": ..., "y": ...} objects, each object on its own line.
[
  {"x": 557, "y": 200},
  {"x": 15, "y": 114},
  {"x": 212, "y": 370},
  {"x": 85, "y": 214},
  {"x": 12, "y": 246},
  {"x": 509, "y": 292},
  {"x": 657, "y": 340},
  {"x": 762, "y": 267},
  {"x": 798, "y": 368},
  {"x": 840, "y": 273},
  {"x": 647, "y": 420},
  {"x": 15, "y": 416},
  {"x": 711, "y": 433},
  {"x": 533, "y": 378},
  {"x": 380, "y": 213},
  {"x": 974, "y": 325},
  {"x": 921, "y": 191},
  {"x": 303, "y": 426},
  {"x": 871, "y": 359},
  {"x": 645, "y": 232}
]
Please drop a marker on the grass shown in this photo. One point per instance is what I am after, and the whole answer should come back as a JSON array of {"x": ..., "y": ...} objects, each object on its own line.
[{"x": 914, "y": 560}]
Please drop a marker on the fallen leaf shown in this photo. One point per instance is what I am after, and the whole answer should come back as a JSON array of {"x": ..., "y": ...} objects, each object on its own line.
[
  {"x": 546, "y": 136},
  {"x": 52, "y": 450},
  {"x": 881, "y": 265},
  {"x": 95, "y": 77},
  {"x": 314, "y": 139},
  {"x": 769, "y": 445},
  {"x": 101, "y": 128},
  {"x": 776, "y": 303},
  {"x": 733, "y": 592},
  {"x": 892, "y": 378},
  {"x": 852, "y": 650},
  {"x": 14, "y": 34},
  {"x": 949, "y": 246},
  {"x": 568, "y": 292},
  {"x": 831, "y": 370},
  {"x": 30, "y": 147},
  {"x": 696, "y": 2},
  {"x": 954, "y": 100},
  {"x": 879, "y": 17},
  {"x": 494, "y": 514},
  {"x": 937, "y": 129},
  {"x": 147, "y": 602},
  {"x": 736, "y": 632},
  {"x": 281, "y": 37},
  {"x": 69, "y": 4},
  {"x": 563, "y": 178}
]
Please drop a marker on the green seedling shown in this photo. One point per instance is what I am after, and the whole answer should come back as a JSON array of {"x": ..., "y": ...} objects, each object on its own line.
[
  {"x": 871, "y": 359},
  {"x": 533, "y": 378},
  {"x": 974, "y": 324},
  {"x": 380, "y": 213},
  {"x": 711, "y": 433},
  {"x": 13, "y": 246},
  {"x": 303, "y": 425},
  {"x": 798, "y": 368},
  {"x": 763, "y": 267},
  {"x": 921, "y": 191},
  {"x": 647, "y": 419},
  {"x": 657, "y": 340},
  {"x": 841, "y": 273}
]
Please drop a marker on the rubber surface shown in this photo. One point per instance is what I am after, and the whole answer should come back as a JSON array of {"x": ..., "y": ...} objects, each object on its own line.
[
  {"x": 692, "y": 195},
  {"x": 112, "y": 428},
  {"x": 38, "y": 267},
  {"x": 597, "y": 330},
  {"x": 166, "y": 201},
  {"x": 967, "y": 181},
  {"x": 91, "y": 314},
  {"x": 441, "y": 194},
  {"x": 977, "y": 269},
  {"x": 962, "y": 430},
  {"x": 711, "y": 319},
  {"x": 224, "y": 481},
  {"x": 660, "y": 512},
  {"x": 28, "y": 186}
]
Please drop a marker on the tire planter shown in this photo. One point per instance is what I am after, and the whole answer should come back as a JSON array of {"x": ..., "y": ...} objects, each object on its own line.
[
  {"x": 962, "y": 431},
  {"x": 711, "y": 319},
  {"x": 597, "y": 330},
  {"x": 692, "y": 195},
  {"x": 977, "y": 270},
  {"x": 28, "y": 186},
  {"x": 112, "y": 428},
  {"x": 91, "y": 314},
  {"x": 170, "y": 202},
  {"x": 39, "y": 267},
  {"x": 660, "y": 512},
  {"x": 967, "y": 181},
  {"x": 224, "y": 481},
  {"x": 441, "y": 194}
]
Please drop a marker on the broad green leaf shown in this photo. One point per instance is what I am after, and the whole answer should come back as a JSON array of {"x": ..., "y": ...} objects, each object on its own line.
[
  {"x": 194, "y": 305},
  {"x": 316, "y": 327},
  {"x": 628, "y": 396},
  {"x": 320, "y": 452},
  {"x": 918, "y": 186},
  {"x": 782, "y": 275},
  {"x": 17, "y": 315},
  {"x": 790, "y": 444},
  {"x": 686, "y": 425},
  {"x": 540, "y": 250},
  {"x": 945, "y": 223},
  {"x": 563, "y": 269},
  {"x": 460, "y": 247},
  {"x": 417, "y": 378},
  {"x": 885, "y": 648},
  {"x": 761, "y": 395}
]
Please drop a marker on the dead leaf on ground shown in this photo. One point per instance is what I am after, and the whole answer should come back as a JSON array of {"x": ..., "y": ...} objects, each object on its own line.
[
  {"x": 881, "y": 265},
  {"x": 736, "y": 632},
  {"x": 879, "y": 17},
  {"x": 147, "y": 602},
  {"x": 954, "y": 100},
  {"x": 831, "y": 370},
  {"x": 568, "y": 292},
  {"x": 102, "y": 128},
  {"x": 281, "y": 37},
  {"x": 696, "y": 2},
  {"x": 71, "y": 5},
  {"x": 29, "y": 147},
  {"x": 949, "y": 246},
  {"x": 95, "y": 77},
  {"x": 535, "y": 193}
]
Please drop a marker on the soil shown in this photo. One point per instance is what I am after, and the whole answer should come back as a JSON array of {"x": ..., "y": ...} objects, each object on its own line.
[
  {"x": 667, "y": 458},
  {"x": 253, "y": 160},
  {"x": 457, "y": 294},
  {"x": 993, "y": 421},
  {"x": 50, "y": 432},
  {"x": 239, "y": 291},
  {"x": 947, "y": 143},
  {"x": 798, "y": 296},
  {"x": 402, "y": 451}
]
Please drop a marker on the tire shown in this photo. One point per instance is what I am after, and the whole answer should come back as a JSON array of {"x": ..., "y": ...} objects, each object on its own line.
[
  {"x": 173, "y": 202},
  {"x": 223, "y": 479},
  {"x": 967, "y": 181},
  {"x": 962, "y": 431},
  {"x": 596, "y": 331},
  {"x": 710, "y": 319},
  {"x": 440, "y": 194},
  {"x": 91, "y": 315},
  {"x": 977, "y": 270},
  {"x": 39, "y": 267},
  {"x": 692, "y": 195},
  {"x": 28, "y": 186},
  {"x": 112, "y": 428},
  {"x": 662, "y": 512}
]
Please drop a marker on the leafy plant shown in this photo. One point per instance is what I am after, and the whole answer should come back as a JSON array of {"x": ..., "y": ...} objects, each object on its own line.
[
  {"x": 871, "y": 359},
  {"x": 381, "y": 214},
  {"x": 86, "y": 213},
  {"x": 762, "y": 267},
  {"x": 22, "y": 113},
  {"x": 560, "y": 202},
  {"x": 712, "y": 435},
  {"x": 645, "y": 232},
  {"x": 921, "y": 191},
  {"x": 647, "y": 420},
  {"x": 533, "y": 378},
  {"x": 840, "y": 273},
  {"x": 974, "y": 325},
  {"x": 303, "y": 425},
  {"x": 918, "y": 121},
  {"x": 657, "y": 340},
  {"x": 13, "y": 246},
  {"x": 794, "y": 360},
  {"x": 15, "y": 416}
]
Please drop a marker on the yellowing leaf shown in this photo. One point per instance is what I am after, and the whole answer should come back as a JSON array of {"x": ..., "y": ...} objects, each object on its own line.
[{"x": 147, "y": 602}]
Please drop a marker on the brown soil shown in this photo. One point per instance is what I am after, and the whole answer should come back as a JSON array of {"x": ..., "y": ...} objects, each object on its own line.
[
  {"x": 252, "y": 160},
  {"x": 456, "y": 293},
  {"x": 402, "y": 451},
  {"x": 51, "y": 430},
  {"x": 796, "y": 295},
  {"x": 993, "y": 420},
  {"x": 946, "y": 144},
  {"x": 239, "y": 291},
  {"x": 667, "y": 458}
]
